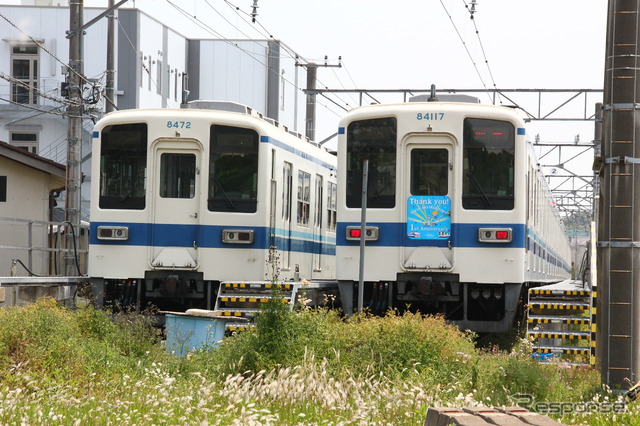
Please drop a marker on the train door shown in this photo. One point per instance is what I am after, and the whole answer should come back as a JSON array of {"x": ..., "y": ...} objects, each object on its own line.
[
  {"x": 287, "y": 194},
  {"x": 175, "y": 213},
  {"x": 272, "y": 201},
  {"x": 317, "y": 226},
  {"x": 428, "y": 191}
]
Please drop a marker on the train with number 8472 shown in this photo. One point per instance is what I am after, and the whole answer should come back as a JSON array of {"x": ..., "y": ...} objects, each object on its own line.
[
  {"x": 185, "y": 199},
  {"x": 459, "y": 217}
]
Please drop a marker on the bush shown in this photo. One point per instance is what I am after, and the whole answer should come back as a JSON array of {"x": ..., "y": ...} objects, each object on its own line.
[{"x": 60, "y": 343}]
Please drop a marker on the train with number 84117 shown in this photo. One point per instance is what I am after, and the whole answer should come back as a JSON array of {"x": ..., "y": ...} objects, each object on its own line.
[{"x": 459, "y": 217}]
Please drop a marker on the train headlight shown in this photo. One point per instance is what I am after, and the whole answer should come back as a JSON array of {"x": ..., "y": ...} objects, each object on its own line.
[
  {"x": 371, "y": 233},
  {"x": 495, "y": 235},
  {"x": 237, "y": 236},
  {"x": 119, "y": 233}
]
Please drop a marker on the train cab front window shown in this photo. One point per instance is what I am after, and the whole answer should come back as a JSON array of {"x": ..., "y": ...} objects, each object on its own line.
[
  {"x": 123, "y": 166},
  {"x": 177, "y": 175},
  {"x": 233, "y": 170},
  {"x": 374, "y": 140},
  {"x": 488, "y": 163},
  {"x": 429, "y": 171}
]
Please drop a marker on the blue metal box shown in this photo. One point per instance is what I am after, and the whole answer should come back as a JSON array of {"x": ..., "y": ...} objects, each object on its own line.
[{"x": 191, "y": 331}]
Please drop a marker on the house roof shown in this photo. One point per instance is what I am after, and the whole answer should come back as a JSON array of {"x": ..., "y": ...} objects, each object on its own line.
[{"x": 56, "y": 171}]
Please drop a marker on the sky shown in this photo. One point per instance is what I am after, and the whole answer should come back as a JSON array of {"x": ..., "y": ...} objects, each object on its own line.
[{"x": 411, "y": 44}]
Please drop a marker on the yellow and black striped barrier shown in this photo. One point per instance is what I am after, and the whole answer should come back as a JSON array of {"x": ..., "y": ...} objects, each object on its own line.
[{"x": 594, "y": 295}]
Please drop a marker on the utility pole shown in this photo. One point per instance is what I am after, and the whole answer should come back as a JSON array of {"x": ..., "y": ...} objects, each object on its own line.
[
  {"x": 310, "y": 120},
  {"x": 111, "y": 59},
  {"x": 74, "y": 133},
  {"x": 618, "y": 318},
  {"x": 311, "y": 91}
]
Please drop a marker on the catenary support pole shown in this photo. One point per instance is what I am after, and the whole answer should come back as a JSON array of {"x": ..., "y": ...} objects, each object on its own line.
[
  {"x": 618, "y": 319},
  {"x": 310, "y": 120}
]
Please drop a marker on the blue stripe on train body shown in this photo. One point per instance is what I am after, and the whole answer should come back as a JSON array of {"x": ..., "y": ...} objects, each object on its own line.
[
  {"x": 210, "y": 236},
  {"x": 463, "y": 235}
]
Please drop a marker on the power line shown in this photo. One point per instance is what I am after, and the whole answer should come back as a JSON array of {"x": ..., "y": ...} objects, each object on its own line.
[
  {"x": 27, "y": 86},
  {"x": 138, "y": 54},
  {"x": 475, "y": 66},
  {"x": 43, "y": 48},
  {"x": 234, "y": 44},
  {"x": 292, "y": 53},
  {"x": 33, "y": 108},
  {"x": 484, "y": 54}
]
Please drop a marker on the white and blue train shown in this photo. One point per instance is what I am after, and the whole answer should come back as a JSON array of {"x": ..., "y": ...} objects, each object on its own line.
[
  {"x": 459, "y": 219},
  {"x": 184, "y": 199}
]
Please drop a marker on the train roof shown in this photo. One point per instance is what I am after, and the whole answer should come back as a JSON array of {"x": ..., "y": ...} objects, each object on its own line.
[{"x": 223, "y": 107}]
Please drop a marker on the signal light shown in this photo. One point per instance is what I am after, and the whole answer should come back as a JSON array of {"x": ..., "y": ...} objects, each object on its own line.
[
  {"x": 118, "y": 233},
  {"x": 495, "y": 235},
  {"x": 371, "y": 233},
  {"x": 237, "y": 236}
]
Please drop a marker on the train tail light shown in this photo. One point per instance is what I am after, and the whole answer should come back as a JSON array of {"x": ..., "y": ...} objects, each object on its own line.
[
  {"x": 117, "y": 233},
  {"x": 371, "y": 233},
  {"x": 495, "y": 235},
  {"x": 237, "y": 236}
]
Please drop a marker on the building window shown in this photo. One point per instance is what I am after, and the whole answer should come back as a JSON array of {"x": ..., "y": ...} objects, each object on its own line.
[
  {"x": 3, "y": 189},
  {"x": 24, "y": 69},
  {"x": 25, "y": 140},
  {"x": 143, "y": 68},
  {"x": 159, "y": 78},
  {"x": 149, "y": 74},
  {"x": 175, "y": 85}
]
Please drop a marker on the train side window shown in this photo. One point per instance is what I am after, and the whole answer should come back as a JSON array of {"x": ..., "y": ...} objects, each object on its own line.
[
  {"x": 488, "y": 163},
  {"x": 287, "y": 183},
  {"x": 177, "y": 175},
  {"x": 123, "y": 166},
  {"x": 429, "y": 171},
  {"x": 233, "y": 170},
  {"x": 374, "y": 140},
  {"x": 332, "y": 197},
  {"x": 304, "y": 192}
]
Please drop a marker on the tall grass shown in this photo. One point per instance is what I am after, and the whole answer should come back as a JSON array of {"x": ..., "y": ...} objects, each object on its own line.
[{"x": 311, "y": 367}]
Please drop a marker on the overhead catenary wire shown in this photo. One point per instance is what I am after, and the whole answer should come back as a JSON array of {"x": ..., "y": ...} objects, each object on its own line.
[
  {"x": 466, "y": 48},
  {"x": 216, "y": 33},
  {"x": 484, "y": 54},
  {"x": 291, "y": 53}
]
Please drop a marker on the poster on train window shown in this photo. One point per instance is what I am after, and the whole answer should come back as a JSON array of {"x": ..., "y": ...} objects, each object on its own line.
[{"x": 429, "y": 218}]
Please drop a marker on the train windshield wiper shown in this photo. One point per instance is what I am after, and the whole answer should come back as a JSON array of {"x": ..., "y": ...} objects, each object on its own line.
[
  {"x": 224, "y": 195},
  {"x": 479, "y": 188}
]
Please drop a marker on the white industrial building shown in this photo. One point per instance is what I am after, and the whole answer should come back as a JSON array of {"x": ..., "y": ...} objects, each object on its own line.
[{"x": 154, "y": 65}]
